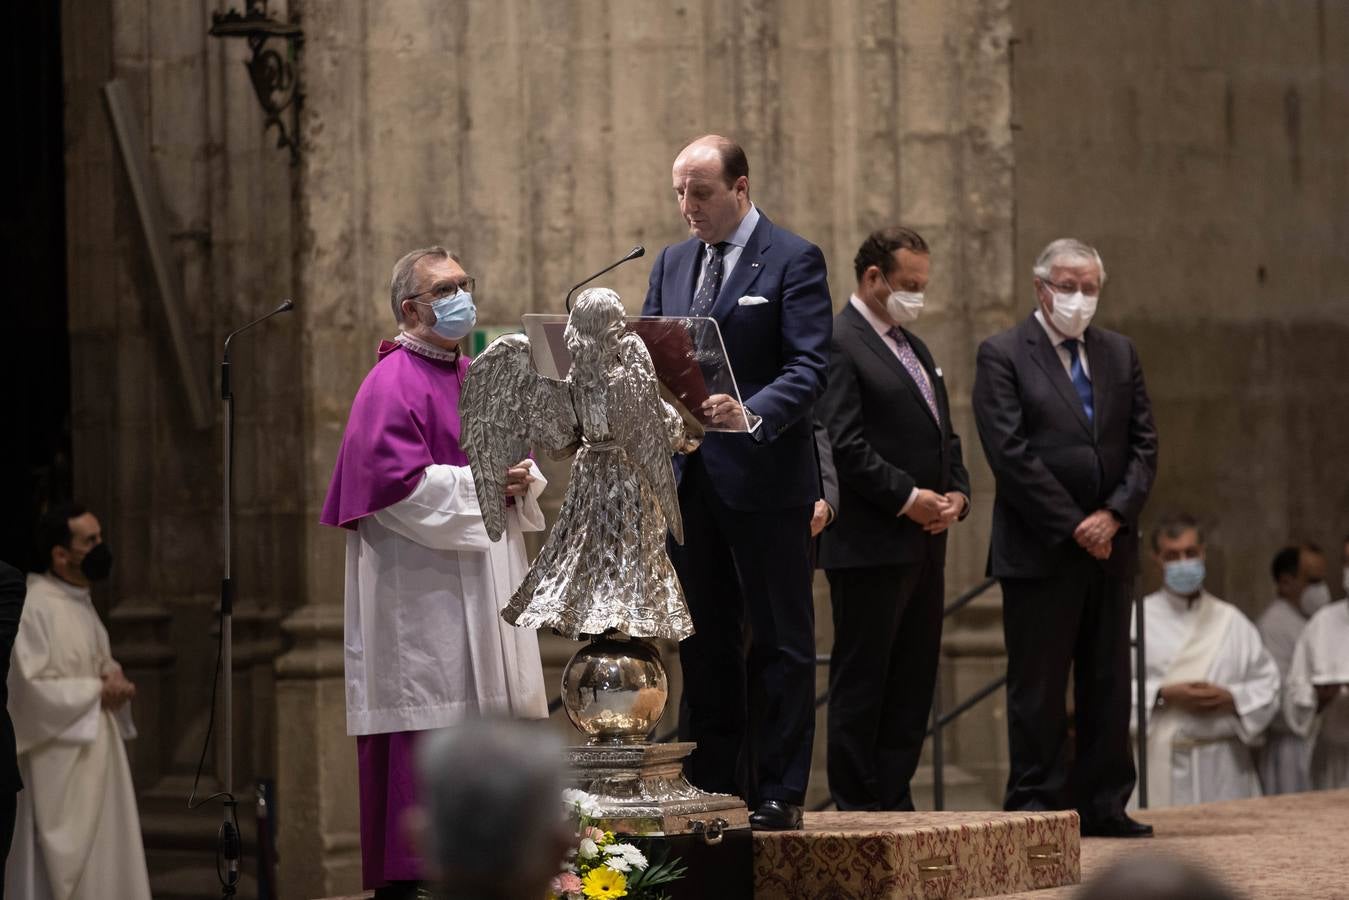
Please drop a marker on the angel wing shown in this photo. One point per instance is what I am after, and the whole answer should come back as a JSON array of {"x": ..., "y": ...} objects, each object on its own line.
[
  {"x": 507, "y": 407},
  {"x": 656, "y": 428}
]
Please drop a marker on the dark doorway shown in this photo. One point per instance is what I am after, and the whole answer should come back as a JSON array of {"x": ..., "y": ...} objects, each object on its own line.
[{"x": 35, "y": 350}]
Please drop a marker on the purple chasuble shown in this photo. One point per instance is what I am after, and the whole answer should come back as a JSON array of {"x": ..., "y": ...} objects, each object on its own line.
[{"x": 405, "y": 417}]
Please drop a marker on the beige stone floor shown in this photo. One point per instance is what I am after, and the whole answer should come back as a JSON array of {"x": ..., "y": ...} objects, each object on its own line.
[{"x": 1293, "y": 846}]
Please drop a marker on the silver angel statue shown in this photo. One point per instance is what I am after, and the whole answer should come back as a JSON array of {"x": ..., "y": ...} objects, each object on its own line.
[{"x": 604, "y": 565}]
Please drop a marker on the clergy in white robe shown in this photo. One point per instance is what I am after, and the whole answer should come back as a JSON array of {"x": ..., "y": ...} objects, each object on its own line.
[
  {"x": 425, "y": 645},
  {"x": 1210, "y": 687},
  {"x": 1284, "y": 760},
  {"x": 77, "y": 833},
  {"x": 1316, "y": 696}
]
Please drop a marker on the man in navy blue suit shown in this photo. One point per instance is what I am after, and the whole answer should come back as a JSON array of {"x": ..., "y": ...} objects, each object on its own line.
[{"x": 747, "y": 498}]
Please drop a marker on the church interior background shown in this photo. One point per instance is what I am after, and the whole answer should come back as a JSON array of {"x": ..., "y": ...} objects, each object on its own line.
[{"x": 1201, "y": 145}]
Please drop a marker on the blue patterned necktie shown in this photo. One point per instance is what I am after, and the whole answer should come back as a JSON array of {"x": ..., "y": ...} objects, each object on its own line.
[
  {"x": 707, "y": 291},
  {"x": 909, "y": 360},
  {"x": 1080, "y": 382}
]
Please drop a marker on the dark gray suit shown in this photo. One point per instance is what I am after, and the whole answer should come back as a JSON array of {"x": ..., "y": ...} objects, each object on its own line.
[{"x": 1061, "y": 607}]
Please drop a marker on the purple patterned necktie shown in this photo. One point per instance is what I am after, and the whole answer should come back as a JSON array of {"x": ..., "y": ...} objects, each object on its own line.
[
  {"x": 915, "y": 369},
  {"x": 706, "y": 295}
]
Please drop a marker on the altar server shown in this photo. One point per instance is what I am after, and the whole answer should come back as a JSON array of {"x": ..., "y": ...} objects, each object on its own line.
[
  {"x": 1299, "y": 574},
  {"x": 77, "y": 833},
  {"x": 1211, "y": 687},
  {"x": 425, "y": 644},
  {"x": 1316, "y": 697}
]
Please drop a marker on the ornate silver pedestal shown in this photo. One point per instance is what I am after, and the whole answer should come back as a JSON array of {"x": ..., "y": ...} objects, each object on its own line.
[{"x": 614, "y": 691}]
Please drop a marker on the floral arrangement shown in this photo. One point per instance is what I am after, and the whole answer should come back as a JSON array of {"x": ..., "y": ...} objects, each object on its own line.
[{"x": 601, "y": 866}]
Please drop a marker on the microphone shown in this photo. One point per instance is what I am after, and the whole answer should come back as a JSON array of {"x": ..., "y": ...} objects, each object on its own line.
[
  {"x": 635, "y": 252},
  {"x": 286, "y": 306}
]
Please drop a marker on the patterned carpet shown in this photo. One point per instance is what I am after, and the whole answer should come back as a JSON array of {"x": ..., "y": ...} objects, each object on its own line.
[{"x": 1296, "y": 845}]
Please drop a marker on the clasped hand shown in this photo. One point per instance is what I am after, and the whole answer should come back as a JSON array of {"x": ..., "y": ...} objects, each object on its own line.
[
  {"x": 934, "y": 511},
  {"x": 1199, "y": 696},
  {"x": 117, "y": 690},
  {"x": 1095, "y": 533}
]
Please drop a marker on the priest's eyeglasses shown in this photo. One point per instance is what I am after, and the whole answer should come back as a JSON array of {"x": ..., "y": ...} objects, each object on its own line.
[{"x": 446, "y": 288}]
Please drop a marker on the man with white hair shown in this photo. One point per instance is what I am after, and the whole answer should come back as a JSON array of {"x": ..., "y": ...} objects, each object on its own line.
[{"x": 1067, "y": 428}]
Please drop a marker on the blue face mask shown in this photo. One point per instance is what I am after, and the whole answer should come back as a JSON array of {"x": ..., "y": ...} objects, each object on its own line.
[
  {"x": 455, "y": 315},
  {"x": 1184, "y": 576}
]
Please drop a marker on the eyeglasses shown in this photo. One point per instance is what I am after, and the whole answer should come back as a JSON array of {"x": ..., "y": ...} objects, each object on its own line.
[
  {"x": 1089, "y": 290},
  {"x": 443, "y": 289}
]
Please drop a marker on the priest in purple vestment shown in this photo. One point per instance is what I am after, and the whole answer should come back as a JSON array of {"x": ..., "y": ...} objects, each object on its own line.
[{"x": 425, "y": 645}]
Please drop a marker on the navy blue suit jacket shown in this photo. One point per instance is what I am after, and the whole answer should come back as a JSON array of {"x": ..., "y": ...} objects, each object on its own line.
[{"x": 779, "y": 352}]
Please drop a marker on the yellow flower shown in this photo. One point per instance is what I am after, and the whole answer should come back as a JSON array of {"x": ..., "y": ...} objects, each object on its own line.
[{"x": 604, "y": 882}]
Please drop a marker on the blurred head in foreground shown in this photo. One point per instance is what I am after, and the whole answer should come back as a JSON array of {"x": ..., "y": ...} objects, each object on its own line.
[{"x": 494, "y": 824}]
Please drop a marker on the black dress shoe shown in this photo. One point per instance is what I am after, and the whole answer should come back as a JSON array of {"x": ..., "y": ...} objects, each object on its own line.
[
  {"x": 776, "y": 815},
  {"x": 1122, "y": 827}
]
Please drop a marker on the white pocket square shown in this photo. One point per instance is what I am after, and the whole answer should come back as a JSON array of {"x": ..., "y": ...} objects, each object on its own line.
[{"x": 752, "y": 301}]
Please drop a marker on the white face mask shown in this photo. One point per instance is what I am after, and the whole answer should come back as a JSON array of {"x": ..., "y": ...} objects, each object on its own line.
[
  {"x": 902, "y": 306},
  {"x": 1072, "y": 313},
  {"x": 1314, "y": 596}
]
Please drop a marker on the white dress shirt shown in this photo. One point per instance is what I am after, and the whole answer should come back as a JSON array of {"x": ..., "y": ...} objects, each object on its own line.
[
  {"x": 1064, "y": 356},
  {"x": 738, "y": 239}
]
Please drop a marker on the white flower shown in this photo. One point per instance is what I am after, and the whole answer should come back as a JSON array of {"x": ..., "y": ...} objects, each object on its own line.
[
  {"x": 588, "y": 850},
  {"x": 617, "y": 863},
  {"x": 585, "y": 804},
  {"x": 629, "y": 853}
]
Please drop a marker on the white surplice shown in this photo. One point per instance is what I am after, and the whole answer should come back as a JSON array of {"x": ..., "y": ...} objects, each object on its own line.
[
  {"x": 1210, "y": 754},
  {"x": 425, "y": 641},
  {"x": 1284, "y": 760},
  {"x": 1322, "y": 657},
  {"x": 77, "y": 834}
]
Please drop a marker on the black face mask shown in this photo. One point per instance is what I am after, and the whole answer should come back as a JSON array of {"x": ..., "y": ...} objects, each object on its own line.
[{"x": 97, "y": 563}]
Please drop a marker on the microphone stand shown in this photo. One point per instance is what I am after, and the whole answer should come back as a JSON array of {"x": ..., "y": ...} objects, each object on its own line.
[
  {"x": 635, "y": 252},
  {"x": 228, "y": 839}
]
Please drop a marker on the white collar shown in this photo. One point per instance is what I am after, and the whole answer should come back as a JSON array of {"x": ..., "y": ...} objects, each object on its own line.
[
  {"x": 426, "y": 348},
  {"x": 740, "y": 237},
  {"x": 73, "y": 591},
  {"x": 1055, "y": 338}
]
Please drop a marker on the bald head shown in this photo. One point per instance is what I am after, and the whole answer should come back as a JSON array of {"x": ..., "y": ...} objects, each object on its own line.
[{"x": 711, "y": 182}]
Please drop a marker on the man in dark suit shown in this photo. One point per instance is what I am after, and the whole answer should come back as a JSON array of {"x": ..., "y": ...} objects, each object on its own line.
[
  {"x": 901, "y": 485},
  {"x": 12, "y": 591},
  {"x": 747, "y": 498},
  {"x": 1067, "y": 427}
]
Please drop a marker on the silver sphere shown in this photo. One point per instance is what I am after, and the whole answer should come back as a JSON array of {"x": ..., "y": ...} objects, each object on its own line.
[{"x": 614, "y": 690}]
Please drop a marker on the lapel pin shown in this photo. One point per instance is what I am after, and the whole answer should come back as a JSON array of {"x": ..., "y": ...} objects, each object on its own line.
[
  {"x": 939, "y": 375},
  {"x": 754, "y": 265}
]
